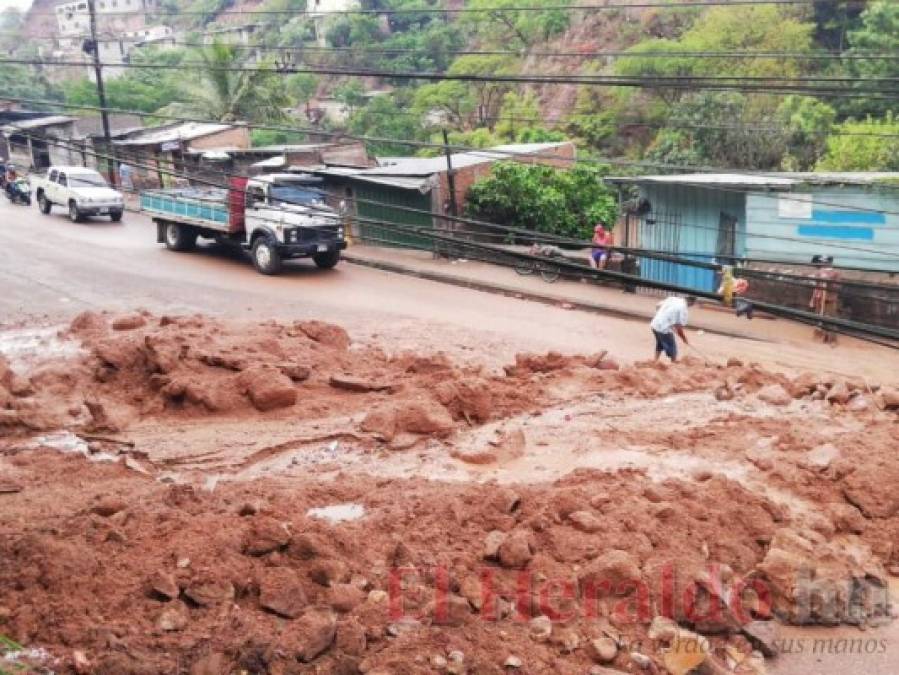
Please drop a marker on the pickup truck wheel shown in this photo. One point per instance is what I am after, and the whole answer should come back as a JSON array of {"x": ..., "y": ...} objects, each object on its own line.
[
  {"x": 178, "y": 237},
  {"x": 327, "y": 260},
  {"x": 266, "y": 257},
  {"x": 115, "y": 216},
  {"x": 74, "y": 213},
  {"x": 44, "y": 204}
]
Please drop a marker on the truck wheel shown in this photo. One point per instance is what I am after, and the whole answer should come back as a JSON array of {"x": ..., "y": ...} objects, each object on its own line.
[
  {"x": 178, "y": 237},
  {"x": 115, "y": 216},
  {"x": 266, "y": 257},
  {"x": 44, "y": 204},
  {"x": 327, "y": 260},
  {"x": 74, "y": 213}
]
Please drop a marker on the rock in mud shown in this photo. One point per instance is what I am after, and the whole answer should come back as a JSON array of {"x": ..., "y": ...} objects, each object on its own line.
[
  {"x": 310, "y": 635},
  {"x": 450, "y": 610},
  {"x": 267, "y": 388},
  {"x": 872, "y": 489},
  {"x": 264, "y": 536},
  {"x": 174, "y": 617},
  {"x": 492, "y": 542},
  {"x": 357, "y": 384},
  {"x": 540, "y": 628},
  {"x": 162, "y": 585},
  {"x": 208, "y": 592},
  {"x": 281, "y": 592},
  {"x": 516, "y": 552},
  {"x": 325, "y": 333},
  {"x": 129, "y": 322},
  {"x": 602, "y": 650},
  {"x": 839, "y": 393},
  {"x": 423, "y": 416},
  {"x": 381, "y": 422},
  {"x": 469, "y": 398},
  {"x": 763, "y": 635},
  {"x": 88, "y": 321},
  {"x": 821, "y": 457},
  {"x": 108, "y": 415},
  {"x": 774, "y": 394},
  {"x": 887, "y": 399},
  {"x": 814, "y": 579},
  {"x": 109, "y": 506},
  {"x": 687, "y": 652},
  {"x": 613, "y": 570},
  {"x": 345, "y": 597},
  {"x": 585, "y": 522}
]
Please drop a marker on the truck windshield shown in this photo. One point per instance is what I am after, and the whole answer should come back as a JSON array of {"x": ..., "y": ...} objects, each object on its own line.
[
  {"x": 295, "y": 194},
  {"x": 86, "y": 180}
]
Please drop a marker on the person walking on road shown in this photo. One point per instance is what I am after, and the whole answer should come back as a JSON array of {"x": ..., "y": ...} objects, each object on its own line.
[{"x": 670, "y": 318}]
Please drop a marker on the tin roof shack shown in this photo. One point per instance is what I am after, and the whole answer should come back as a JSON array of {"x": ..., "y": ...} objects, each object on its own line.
[
  {"x": 30, "y": 143},
  {"x": 773, "y": 222},
  {"x": 210, "y": 164},
  {"x": 160, "y": 156},
  {"x": 420, "y": 187}
]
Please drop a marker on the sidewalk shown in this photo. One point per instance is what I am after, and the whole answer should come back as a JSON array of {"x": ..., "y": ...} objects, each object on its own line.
[{"x": 587, "y": 296}]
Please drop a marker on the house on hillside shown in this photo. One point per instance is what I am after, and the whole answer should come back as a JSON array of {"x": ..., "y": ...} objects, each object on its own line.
[
  {"x": 409, "y": 190},
  {"x": 320, "y": 11},
  {"x": 784, "y": 217},
  {"x": 161, "y": 156}
]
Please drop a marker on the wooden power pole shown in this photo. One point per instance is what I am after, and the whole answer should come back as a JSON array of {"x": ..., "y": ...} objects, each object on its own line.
[{"x": 101, "y": 92}]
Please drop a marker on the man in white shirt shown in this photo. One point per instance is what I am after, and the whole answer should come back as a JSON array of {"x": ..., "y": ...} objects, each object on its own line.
[{"x": 670, "y": 318}]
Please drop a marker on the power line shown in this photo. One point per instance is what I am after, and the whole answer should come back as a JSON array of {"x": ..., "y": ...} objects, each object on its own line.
[
  {"x": 609, "y": 6},
  {"x": 772, "y": 85},
  {"x": 367, "y": 49},
  {"x": 489, "y": 153}
]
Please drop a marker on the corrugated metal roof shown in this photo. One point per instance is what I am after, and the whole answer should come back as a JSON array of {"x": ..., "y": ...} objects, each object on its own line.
[
  {"x": 422, "y": 185},
  {"x": 39, "y": 122},
  {"x": 178, "y": 132},
  {"x": 426, "y": 166},
  {"x": 772, "y": 180}
]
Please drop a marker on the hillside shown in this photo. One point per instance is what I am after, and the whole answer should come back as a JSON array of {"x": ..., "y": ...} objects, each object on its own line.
[{"x": 787, "y": 108}]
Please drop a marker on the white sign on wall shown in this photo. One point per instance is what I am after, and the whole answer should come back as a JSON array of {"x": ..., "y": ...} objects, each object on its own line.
[{"x": 795, "y": 206}]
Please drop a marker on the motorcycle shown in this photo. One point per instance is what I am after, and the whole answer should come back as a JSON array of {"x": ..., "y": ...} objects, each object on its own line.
[{"x": 19, "y": 191}]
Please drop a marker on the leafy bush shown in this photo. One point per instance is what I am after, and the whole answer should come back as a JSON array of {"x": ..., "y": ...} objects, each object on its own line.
[{"x": 543, "y": 199}]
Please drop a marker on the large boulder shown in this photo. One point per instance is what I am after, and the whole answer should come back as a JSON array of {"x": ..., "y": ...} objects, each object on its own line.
[{"x": 268, "y": 388}]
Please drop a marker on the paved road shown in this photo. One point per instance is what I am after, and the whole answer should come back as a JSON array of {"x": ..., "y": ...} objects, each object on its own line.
[{"x": 50, "y": 269}]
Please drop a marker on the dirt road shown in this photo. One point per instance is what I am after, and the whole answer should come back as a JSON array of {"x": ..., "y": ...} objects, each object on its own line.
[{"x": 50, "y": 269}]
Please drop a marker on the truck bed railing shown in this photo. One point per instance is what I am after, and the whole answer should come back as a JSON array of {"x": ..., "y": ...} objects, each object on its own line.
[{"x": 200, "y": 205}]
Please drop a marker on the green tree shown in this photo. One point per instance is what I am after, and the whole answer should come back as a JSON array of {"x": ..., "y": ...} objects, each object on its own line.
[
  {"x": 879, "y": 33},
  {"x": 486, "y": 94},
  {"x": 870, "y": 145},
  {"x": 806, "y": 123},
  {"x": 351, "y": 94},
  {"x": 450, "y": 100},
  {"x": 230, "y": 91},
  {"x": 543, "y": 199},
  {"x": 384, "y": 118},
  {"x": 26, "y": 82},
  {"x": 301, "y": 87},
  {"x": 515, "y": 29}
]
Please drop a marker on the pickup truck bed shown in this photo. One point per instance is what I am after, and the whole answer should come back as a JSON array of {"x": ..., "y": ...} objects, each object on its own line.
[{"x": 203, "y": 207}]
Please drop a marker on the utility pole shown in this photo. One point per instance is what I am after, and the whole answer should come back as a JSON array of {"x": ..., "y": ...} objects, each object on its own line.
[
  {"x": 450, "y": 174},
  {"x": 101, "y": 92}
]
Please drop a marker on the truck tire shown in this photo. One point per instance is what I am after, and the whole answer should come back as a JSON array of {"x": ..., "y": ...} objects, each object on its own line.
[
  {"x": 74, "y": 214},
  {"x": 44, "y": 204},
  {"x": 178, "y": 237},
  {"x": 327, "y": 260},
  {"x": 266, "y": 257}
]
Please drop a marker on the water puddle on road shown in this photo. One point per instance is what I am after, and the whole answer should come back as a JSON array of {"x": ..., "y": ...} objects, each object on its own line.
[{"x": 26, "y": 348}]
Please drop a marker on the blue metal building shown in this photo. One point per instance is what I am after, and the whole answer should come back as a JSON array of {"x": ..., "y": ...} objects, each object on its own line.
[{"x": 853, "y": 217}]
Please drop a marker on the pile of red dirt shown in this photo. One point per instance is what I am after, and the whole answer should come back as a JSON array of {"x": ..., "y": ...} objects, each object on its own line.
[{"x": 109, "y": 570}]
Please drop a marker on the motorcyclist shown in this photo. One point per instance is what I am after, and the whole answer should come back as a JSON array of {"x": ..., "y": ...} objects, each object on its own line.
[{"x": 10, "y": 178}]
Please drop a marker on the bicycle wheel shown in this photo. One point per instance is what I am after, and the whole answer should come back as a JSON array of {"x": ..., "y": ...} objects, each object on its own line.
[
  {"x": 525, "y": 267},
  {"x": 549, "y": 273}
]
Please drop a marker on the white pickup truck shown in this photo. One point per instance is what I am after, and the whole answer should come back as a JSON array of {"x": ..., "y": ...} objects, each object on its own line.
[{"x": 84, "y": 192}]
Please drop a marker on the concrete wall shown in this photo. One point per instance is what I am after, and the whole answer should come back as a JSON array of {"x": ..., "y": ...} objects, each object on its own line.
[
  {"x": 236, "y": 137},
  {"x": 835, "y": 220}
]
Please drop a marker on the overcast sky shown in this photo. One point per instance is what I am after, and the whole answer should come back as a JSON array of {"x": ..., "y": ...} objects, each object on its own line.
[{"x": 18, "y": 4}]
